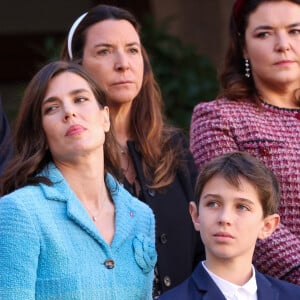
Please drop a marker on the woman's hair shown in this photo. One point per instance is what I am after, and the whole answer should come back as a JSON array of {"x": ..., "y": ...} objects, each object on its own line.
[
  {"x": 6, "y": 149},
  {"x": 147, "y": 127},
  {"x": 233, "y": 166},
  {"x": 31, "y": 148},
  {"x": 233, "y": 81}
]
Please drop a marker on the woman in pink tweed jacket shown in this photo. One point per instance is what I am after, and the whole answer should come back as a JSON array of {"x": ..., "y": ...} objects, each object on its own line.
[{"x": 261, "y": 78}]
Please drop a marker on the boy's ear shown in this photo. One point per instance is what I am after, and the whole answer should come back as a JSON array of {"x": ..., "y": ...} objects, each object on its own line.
[
  {"x": 271, "y": 222},
  {"x": 194, "y": 214}
]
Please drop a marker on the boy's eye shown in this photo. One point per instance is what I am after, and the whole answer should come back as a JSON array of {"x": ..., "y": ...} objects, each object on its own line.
[
  {"x": 242, "y": 207},
  {"x": 212, "y": 204}
]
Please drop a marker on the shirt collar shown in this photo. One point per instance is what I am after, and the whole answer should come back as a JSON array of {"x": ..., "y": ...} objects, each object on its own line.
[{"x": 230, "y": 289}]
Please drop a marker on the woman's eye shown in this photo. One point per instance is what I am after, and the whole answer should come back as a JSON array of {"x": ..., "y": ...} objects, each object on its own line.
[
  {"x": 295, "y": 31},
  {"x": 103, "y": 52},
  {"x": 80, "y": 99},
  {"x": 50, "y": 109},
  {"x": 133, "y": 50},
  {"x": 263, "y": 35}
]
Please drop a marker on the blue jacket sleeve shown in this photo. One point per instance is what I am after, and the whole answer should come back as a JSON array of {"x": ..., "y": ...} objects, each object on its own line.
[{"x": 19, "y": 251}]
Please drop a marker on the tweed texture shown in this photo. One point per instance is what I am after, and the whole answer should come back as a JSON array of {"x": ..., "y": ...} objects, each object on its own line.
[
  {"x": 271, "y": 134},
  {"x": 51, "y": 249}
]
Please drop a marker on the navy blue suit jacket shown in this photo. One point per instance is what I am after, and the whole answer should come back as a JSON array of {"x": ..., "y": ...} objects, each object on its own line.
[{"x": 200, "y": 286}]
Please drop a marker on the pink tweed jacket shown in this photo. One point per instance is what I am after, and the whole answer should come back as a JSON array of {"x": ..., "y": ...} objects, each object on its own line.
[{"x": 271, "y": 134}]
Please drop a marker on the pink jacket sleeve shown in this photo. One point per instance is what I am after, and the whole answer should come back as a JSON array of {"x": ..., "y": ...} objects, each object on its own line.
[{"x": 210, "y": 134}]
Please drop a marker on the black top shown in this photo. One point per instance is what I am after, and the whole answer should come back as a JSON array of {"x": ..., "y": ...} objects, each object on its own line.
[{"x": 179, "y": 247}]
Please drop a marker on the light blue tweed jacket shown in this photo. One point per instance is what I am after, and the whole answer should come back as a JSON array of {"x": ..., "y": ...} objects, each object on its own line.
[{"x": 51, "y": 249}]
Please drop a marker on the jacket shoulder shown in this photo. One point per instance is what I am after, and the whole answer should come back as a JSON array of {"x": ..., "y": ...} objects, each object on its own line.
[
  {"x": 223, "y": 105},
  {"x": 30, "y": 192},
  {"x": 284, "y": 289}
]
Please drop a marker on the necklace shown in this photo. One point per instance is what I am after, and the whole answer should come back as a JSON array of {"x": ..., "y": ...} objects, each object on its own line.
[{"x": 95, "y": 216}]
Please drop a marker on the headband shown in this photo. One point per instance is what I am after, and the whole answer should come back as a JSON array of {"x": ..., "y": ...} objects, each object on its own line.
[{"x": 71, "y": 33}]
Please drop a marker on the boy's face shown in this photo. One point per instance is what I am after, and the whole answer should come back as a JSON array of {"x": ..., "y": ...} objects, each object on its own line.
[{"x": 230, "y": 219}]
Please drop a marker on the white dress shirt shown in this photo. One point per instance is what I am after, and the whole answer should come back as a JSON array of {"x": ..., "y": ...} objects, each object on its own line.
[{"x": 232, "y": 291}]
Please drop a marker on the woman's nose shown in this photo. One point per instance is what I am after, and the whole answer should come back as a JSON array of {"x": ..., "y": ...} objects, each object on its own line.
[
  {"x": 282, "y": 43},
  {"x": 69, "y": 112},
  {"x": 122, "y": 62}
]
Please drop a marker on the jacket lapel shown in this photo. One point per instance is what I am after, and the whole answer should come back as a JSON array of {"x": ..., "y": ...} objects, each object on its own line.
[
  {"x": 264, "y": 288},
  {"x": 60, "y": 191},
  {"x": 206, "y": 285},
  {"x": 125, "y": 214}
]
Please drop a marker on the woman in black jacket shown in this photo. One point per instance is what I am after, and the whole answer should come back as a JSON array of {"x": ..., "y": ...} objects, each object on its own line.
[{"x": 155, "y": 163}]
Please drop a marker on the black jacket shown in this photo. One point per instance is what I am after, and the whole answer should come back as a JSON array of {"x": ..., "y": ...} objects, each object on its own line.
[{"x": 178, "y": 245}]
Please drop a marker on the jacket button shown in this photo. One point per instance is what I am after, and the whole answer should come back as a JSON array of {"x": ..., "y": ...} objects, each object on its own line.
[
  {"x": 163, "y": 238},
  {"x": 151, "y": 192},
  {"x": 167, "y": 281},
  {"x": 109, "y": 264}
]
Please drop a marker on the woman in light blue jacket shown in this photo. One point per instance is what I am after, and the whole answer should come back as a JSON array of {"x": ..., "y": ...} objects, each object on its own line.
[{"x": 68, "y": 229}]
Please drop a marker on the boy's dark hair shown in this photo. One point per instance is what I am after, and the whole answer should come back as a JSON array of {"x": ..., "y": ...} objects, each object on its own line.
[{"x": 236, "y": 165}]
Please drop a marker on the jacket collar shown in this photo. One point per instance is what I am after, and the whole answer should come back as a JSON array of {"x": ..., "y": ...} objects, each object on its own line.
[
  {"x": 211, "y": 291},
  {"x": 124, "y": 208},
  {"x": 206, "y": 285}
]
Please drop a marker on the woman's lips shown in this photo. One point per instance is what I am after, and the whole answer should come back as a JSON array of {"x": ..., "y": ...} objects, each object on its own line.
[{"x": 74, "y": 130}]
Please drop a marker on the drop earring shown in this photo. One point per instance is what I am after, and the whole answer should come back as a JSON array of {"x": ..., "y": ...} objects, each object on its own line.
[{"x": 247, "y": 68}]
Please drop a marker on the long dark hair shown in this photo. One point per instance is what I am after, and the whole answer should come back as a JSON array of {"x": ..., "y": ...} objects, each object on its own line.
[
  {"x": 32, "y": 153},
  {"x": 152, "y": 135},
  {"x": 233, "y": 81}
]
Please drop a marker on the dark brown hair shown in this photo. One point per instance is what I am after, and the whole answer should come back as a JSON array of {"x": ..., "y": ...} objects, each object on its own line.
[
  {"x": 32, "y": 154},
  {"x": 232, "y": 167},
  {"x": 233, "y": 81},
  {"x": 153, "y": 137}
]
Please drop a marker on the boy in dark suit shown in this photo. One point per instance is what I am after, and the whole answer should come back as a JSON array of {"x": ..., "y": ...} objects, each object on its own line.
[{"x": 236, "y": 204}]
